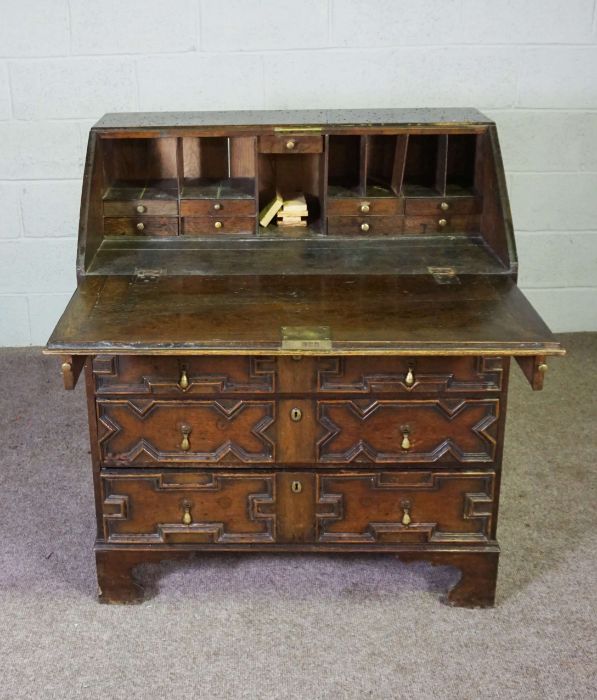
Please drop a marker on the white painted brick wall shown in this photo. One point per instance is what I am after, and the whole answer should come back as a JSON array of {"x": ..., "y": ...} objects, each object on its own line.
[{"x": 530, "y": 64}]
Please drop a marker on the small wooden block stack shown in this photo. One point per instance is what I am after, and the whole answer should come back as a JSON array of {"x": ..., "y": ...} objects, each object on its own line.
[{"x": 293, "y": 212}]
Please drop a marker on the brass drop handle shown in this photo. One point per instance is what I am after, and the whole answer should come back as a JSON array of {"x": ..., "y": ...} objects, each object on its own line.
[
  {"x": 296, "y": 487},
  {"x": 443, "y": 223},
  {"x": 406, "y": 519},
  {"x": 140, "y": 226},
  {"x": 187, "y": 518},
  {"x": 185, "y": 443},
  {"x": 183, "y": 382},
  {"x": 365, "y": 208},
  {"x": 140, "y": 208},
  {"x": 405, "y": 444},
  {"x": 444, "y": 206},
  {"x": 409, "y": 379},
  {"x": 364, "y": 227},
  {"x": 296, "y": 414},
  {"x": 290, "y": 144},
  {"x": 217, "y": 206}
]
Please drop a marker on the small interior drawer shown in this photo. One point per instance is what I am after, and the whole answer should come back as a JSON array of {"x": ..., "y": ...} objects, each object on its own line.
[
  {"x": 447, "y": 223},
  {"x": 216, "y": 226},
  {"x": 365, "y": 225},
  {"x": 290, "y": 143},
  {"x": 141, "y": 226},
  {"x": 217, "y": 207},
  {"x": 442, "y": 205},
  {"x": 356, "y": 206},
  {"x": 139, "y": 207}
]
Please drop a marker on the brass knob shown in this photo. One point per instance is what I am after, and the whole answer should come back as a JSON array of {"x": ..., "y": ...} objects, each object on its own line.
[
  {"x": 296, "y": 487},
  {"x": 185, "y": 443},
  {"x": 217, "y": 206},
  {"x": 187, "y": 518},
  {"x": 365, "y": 208},
  {"x": 296, "y": 414},
  {"x": 290, "y": 145},
  {"x": 406, "y": 519},
  {"x": 183, "y": 382},
  {"x": 140, "y": 226},
  {"x": 405, "y": 444},
  {"x": 364, "y": 227},
  {"x": 444, "y": 206},
  {"x": 141, "y": 208},
  {"x": 218, "y": 224},
  {"x": 542, "y": 367},
  {"x": 442, "y": 222},
  {"x": 409, "y": 380}
]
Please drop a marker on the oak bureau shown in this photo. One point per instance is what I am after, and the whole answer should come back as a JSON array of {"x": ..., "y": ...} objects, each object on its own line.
[{"x": 332, "y": 381}]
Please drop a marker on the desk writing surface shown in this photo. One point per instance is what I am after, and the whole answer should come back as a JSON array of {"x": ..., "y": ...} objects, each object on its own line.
[{"x": 366, "y": 314}]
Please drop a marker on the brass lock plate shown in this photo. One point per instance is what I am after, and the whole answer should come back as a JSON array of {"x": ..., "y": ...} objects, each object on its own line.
[
  {"x": 306, "y": 338},
  {"x": 296, "y": 487}
]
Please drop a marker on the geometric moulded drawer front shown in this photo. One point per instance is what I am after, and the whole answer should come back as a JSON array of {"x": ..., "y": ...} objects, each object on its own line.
[
  {"x": 144, "y": 432},
  {"x": 183, "y": 376},
  {"x": 408, "y": 431},
  {"x": 406, "y": 507},
  {"x": 191, "y": 507},
  {"x": 379, "y": 374}
]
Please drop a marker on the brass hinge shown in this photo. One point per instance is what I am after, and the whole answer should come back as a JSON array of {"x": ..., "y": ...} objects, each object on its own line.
[
  {"x": 444, "y": 275},
  {"x": 143, "y": 274}
]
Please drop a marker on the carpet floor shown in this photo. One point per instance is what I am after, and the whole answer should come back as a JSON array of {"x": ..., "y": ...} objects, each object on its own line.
[{"x": 242, "y": 626}]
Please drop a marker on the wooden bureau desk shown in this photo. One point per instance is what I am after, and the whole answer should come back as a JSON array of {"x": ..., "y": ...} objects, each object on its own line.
[{"x": 338, "y": 386}]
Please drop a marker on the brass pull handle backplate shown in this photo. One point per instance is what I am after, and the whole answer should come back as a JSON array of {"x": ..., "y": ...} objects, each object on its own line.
[
  {"x": 187, "y": 518},
  {"x": 406, "y": 443},
  {"x": 185, "y": 443},
  {"x": 406, "y": 519}
]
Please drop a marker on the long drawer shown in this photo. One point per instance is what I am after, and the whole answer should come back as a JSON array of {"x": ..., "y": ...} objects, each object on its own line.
[
  {"x": 180, "y": 377},
  {"x": 290, "y": 431},
  {"x": 365, "y": 507}
]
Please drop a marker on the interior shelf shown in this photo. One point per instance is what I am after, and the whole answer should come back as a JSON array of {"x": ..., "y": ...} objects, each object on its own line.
[
  {"x": 144, "y": 168},
  {"x": 218, "y": 167}
]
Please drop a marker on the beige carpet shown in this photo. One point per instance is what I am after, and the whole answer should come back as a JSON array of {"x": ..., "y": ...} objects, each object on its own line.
[{"x": 299, "y": 626}]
